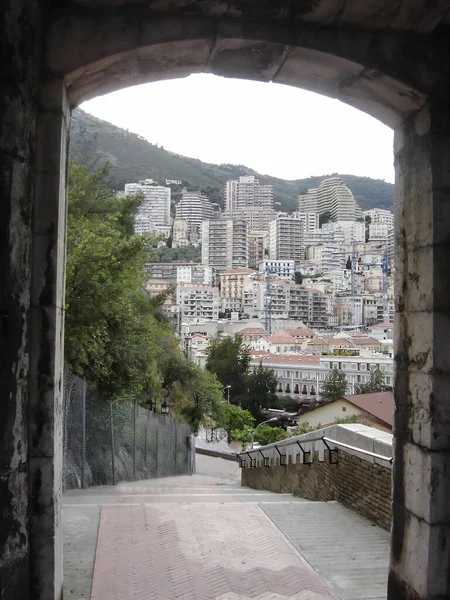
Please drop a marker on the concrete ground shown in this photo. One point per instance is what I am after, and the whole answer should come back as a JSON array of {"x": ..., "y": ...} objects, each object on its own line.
[{"x": 205, "y": 537}]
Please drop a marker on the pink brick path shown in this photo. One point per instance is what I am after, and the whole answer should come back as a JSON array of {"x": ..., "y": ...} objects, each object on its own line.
[{"x": 199, "y": 543}]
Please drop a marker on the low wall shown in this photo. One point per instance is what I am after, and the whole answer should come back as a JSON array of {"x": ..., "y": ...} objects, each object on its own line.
[{"x": 359, "y": 481}]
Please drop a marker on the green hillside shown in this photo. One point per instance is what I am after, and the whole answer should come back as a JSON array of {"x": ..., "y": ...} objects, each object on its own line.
[{"x": 133, "y": 158}]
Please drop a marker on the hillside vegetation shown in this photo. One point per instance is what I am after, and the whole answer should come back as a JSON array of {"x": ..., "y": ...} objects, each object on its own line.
[{"x": 133, "y": 158}]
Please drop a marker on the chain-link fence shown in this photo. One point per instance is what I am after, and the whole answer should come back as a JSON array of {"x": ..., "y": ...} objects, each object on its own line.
[{"x": 107, "y": 442}]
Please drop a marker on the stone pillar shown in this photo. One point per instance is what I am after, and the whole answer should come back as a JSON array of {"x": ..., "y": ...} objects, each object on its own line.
[
  {"x": 420, "y": 548},
  {"x": 46, "y": 342},
  {"x": 19, "y": 49}
]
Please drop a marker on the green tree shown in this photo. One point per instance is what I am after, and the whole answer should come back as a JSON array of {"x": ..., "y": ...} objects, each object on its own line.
[
  {"x": 298, "y": 277},
  {"x": 261, "y": 386},
  {"x": 265, "y": 434},
  {"x": 112, "y": 334},
  {"x": 195, "y": 394},
  {"x": 234, "y": 419},
  {"x": 334, "y": 386},
  {"x": 229, "y": 359},
  {"x": 377, "y": 383},
  {"x": 348, "y": 264}
]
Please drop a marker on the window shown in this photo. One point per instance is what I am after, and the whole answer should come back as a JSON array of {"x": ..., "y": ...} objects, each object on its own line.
[{"x": 344, "y": 409}]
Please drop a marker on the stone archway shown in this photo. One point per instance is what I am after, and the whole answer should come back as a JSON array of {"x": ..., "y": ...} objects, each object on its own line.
[{"x": 388, "y": 61}]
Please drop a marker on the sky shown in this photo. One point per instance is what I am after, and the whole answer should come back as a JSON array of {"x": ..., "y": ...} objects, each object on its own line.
[{"x": 275, "y": 129}]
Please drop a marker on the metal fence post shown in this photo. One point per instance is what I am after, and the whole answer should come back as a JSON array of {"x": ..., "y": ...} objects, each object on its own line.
[
  {"x": 83, "y": 434},
  {"x": 175, "y": 435},
  {"x": 134, "y": 439},
  {"x": 111, "y": 429},
  {"x": 157, "y": 448}
]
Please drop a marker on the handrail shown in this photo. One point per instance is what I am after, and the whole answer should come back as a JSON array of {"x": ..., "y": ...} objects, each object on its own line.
[{"x": 360, "y": 450}]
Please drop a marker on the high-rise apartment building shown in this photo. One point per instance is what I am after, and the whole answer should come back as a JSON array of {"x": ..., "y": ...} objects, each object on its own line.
[
  {"x": 332, "y": 196},
  {"x": 194, "y": 208},
  {"x": 179, "y": 233},
  {"x": 250, "y": 200},
  {"x": 154, "y": 212},
  {"x": 258, "y": 247},
  {"x": 247, "y": 192},
  {"x": 286, "y": 238},
  {"x": 224, "y": 244}
]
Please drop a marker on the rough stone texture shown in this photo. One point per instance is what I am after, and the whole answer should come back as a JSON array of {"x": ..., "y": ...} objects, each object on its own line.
[
  {"x": 19, "y": 76},
  {"x": 356, "y": 483},
  {"x": 46, "y": 342},
  {"x": 388, "y": 59},
  {"x": 420, "y": 552}
]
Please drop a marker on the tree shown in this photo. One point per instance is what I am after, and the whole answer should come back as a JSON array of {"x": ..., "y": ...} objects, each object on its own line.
[
  {"x": 112, "y": 334},
  {"x": 195, "y": 394},
  {"x": 265, "y": 434},
  {"x": 348, "y": 264},
  {"x": 234, "y": 419},
  {"x": 229, "y": 359},
  {"x": 298, "y": 277},
  {"x": 324, "y": 218},
  {"x": 262, "y": 385},
  {"x": 335, "y": 386},
  {"x": 377, "y": 383}
]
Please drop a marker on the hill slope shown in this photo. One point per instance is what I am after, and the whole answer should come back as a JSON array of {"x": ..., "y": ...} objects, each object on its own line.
[{"x": 133, "y": 158}]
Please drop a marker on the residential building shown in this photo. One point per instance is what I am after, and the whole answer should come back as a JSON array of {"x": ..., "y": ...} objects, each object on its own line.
[
  {"x": 345, "y": 232},
  {"x": 248, "y": 192},
  {"x": 195, "y": 273},
  {"x": 154, "y": 212},
  {"x": 180, "y": 236},
  {"x": 375, "y": 410},
  {"x": 281, "y": 269},
  {"x": 258, "y": 247},
  {"x": 379, "y": 216},
  {"x": 286, "y": 238},
  {"x": 197, "y": 302},
  {"x": 224, "y": 244},
  {"x": 233, "y": 282},
  {"x": 194, "y": 208},
  {"x": 331, "y": 197}
]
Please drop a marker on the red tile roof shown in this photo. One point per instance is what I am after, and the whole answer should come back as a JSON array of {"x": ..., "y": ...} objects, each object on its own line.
[{"x": 380, "y": 405}]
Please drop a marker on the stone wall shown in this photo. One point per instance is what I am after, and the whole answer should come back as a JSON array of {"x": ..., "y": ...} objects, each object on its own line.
[{"x": 357, "y": 481}]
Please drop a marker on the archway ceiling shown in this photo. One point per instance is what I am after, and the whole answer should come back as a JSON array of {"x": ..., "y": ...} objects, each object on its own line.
[
  {"x": 398, "y": 15},
  {"x": 381, "y": 57}
]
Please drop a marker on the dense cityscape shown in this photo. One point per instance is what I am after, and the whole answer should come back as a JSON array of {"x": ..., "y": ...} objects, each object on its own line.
[{"x": 308, "y": 291}]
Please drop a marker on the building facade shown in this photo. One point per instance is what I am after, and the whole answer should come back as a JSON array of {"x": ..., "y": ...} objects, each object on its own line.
[
  {"x": 154, "y": 212},
  {"x": 332, "y": 196},
  {"x": 224, "y": 244}
]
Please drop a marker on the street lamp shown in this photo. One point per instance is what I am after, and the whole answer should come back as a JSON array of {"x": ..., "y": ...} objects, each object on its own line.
[
  {"x": 164, "y": 406},
  {"x": 227, "y": 387},
  {"x": 272, "y": 420}
]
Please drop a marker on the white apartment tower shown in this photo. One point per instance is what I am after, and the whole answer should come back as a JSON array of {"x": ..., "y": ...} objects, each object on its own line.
[
  {"x": 250, "y": 200},
  {"x": 154, "y": 212},
  {"x": 333, "y": 197},
  {"x": 194, "y": 208},
  {"x": 224, "y": 244},
  {"x": 286, "y": 238}
]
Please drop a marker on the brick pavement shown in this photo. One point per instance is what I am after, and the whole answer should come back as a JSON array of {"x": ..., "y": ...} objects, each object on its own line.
[
  {"x": 195, "y": 538},
  {"x": 198, "y": 551}
]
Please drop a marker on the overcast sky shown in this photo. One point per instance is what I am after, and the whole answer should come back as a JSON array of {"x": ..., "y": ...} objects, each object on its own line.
[{"x": 275, "y": 129}]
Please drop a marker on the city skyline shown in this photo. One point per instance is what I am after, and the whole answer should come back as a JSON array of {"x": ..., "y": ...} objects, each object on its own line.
[{"x": 274, "y": 129}]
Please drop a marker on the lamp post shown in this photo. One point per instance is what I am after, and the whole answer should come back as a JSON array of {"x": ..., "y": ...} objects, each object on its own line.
[
  {"x": 164, "y": 406},
  {"x": 272, "y": 420},
  {"x": 227, "y": 387}
]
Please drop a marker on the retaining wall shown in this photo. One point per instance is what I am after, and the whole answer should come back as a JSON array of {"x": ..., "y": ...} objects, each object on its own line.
[{"x": 359, "y": 481}]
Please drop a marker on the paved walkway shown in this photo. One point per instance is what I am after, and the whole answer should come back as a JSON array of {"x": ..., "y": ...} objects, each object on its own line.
[{"x": 205, "y": 537}]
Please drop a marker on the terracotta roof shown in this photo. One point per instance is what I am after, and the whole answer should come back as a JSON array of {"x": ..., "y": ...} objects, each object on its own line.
[
  {"x": 252, "y": 331},
  {"x": 281, "y": 339},
  {"x": 380, "y": 405},
  {"x": 288, "y": 359},
  {"x": 367, "y": 341}
]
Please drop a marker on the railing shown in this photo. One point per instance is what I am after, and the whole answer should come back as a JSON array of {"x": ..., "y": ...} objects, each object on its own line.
[{"x": 305, "y": 447}]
